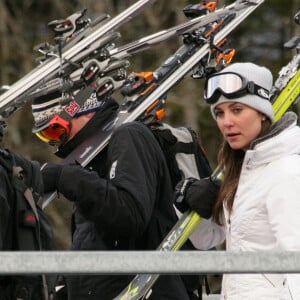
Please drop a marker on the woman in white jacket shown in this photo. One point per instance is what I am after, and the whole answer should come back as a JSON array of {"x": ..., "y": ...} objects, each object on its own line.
[{"x": 259, "y": 199}]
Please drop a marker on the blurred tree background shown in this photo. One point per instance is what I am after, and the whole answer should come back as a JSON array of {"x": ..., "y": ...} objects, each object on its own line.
[{"x": 23, "y": 24}]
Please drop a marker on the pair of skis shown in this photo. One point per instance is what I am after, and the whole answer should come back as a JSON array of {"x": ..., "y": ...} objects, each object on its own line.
[
  {"x": 122, "y": 52},
  {"x": 78, "y": 40},
  {"x": 80, "y": 46},
  {"x": 203, "y": 37}
]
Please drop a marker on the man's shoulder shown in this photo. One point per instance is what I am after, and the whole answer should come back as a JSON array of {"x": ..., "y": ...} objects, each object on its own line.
[
  {"x": 137, "y": 135},
  {"x": 5, "y": 176},
  {"x": 133, "y": 128},
  {"x": 133, "y": 125}
]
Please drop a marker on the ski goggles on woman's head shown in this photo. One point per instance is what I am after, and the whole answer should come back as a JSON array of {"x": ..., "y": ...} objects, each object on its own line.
[
  {"x": 231, "y": 85},
  {"x": 55, "y": 132}
]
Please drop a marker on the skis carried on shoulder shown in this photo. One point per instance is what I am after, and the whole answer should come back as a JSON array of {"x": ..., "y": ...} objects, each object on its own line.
[
  {"x": 201, "y": 18},
  {"x": 145, "y": 93},
  {"x": 78, "y": 39},
  {"x": 142, "y": 103},
  {"x": 72, "y": 79},
  {"x": 285, "y": 93}
]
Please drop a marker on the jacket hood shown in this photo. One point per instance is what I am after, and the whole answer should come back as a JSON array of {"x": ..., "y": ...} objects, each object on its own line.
[{"x": 284, "y": 139}]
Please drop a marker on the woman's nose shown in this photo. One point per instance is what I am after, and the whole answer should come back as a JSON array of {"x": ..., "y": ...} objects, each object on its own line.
[{"x": 227, "y": 120}]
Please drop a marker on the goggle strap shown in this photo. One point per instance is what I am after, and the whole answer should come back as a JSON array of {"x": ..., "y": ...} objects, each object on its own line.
[{"x": 255, "y": 89}]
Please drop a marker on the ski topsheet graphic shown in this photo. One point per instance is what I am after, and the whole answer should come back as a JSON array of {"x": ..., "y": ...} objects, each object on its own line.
[{"x": 285, "y": 92}]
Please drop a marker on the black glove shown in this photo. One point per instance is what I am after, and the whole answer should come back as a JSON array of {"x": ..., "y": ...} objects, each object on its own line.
[
  {"x": 51, "y": 173},
  {"x": 198, "y": 195}
]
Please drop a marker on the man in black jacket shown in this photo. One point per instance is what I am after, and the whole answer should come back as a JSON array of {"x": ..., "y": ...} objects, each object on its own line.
[{"x": 122, "y": 198}]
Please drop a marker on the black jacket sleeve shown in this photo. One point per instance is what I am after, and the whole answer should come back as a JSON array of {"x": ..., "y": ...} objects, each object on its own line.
[
  {"x": 5, "y": 208},
  {"x": 123, "y": 202}
]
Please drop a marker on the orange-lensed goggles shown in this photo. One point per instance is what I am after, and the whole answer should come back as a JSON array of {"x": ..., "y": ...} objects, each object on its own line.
[{"x": 55, "y": 132}]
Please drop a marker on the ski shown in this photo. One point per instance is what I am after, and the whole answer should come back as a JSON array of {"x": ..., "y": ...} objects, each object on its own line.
[
  {"x": 156, "y": 38},
  {"x": 285, "y": 93},
  {"x": 72, "y": 53},
  {"x": 132, "y": 48},
  {"x": 142, "y": 44},
  {"x": 146, "y": 104}
]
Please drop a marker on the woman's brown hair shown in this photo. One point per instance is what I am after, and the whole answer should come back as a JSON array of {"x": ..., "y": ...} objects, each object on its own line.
[{"x": 231, "y": 163}]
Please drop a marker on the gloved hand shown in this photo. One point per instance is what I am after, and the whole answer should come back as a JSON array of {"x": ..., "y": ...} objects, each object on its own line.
[
  {"x": 51, "y": 173},
  {"x": 198, "y": 195}
]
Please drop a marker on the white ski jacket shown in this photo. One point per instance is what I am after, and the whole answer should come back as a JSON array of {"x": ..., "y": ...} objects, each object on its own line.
[{"x": 266, "y": 213}]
